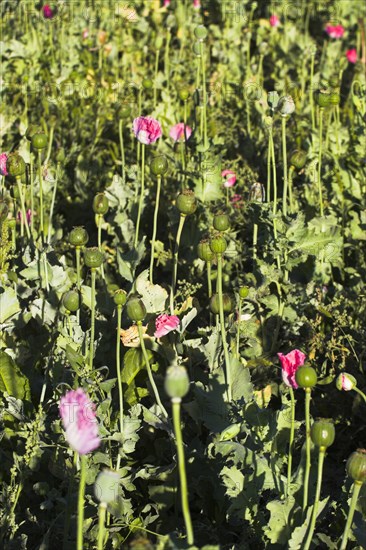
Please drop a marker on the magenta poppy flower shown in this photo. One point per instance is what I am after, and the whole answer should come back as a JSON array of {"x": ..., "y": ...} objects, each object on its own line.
[
  {"x": 177, "y": 132},
  {"x": 79, "y": 421},
  {"x": 164, "y": 324},
  {"x": 47, "y": 11},
  {"x": 334, "y": 31},
  {"x": 3, "y": 160},
  {"x": 196, "y": 4},
  {"x": 290, "y": 363},
  {"x": 166, "y": 3},
  {"x": 230, "y": 178},
  {"x": 274, "y": 21},
  {"x": 352, "y": 55},
  {"x": 147, "y": 129},
  {"x": 28, "y": 215}
]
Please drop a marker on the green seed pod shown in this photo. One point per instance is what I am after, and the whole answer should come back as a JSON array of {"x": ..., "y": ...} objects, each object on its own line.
[
  {"x": 93, "y": 257},
  {"x": 32, "y": 130},
  {"x": 71, "y": 300},
  {"x": 186, "y": 202},
  {"x": 159, "y": 42},
  {"x": 196, "y": 49},
  {"x": 298, "y": 159},
  {"x": 147, "y": 83},
  {"x": 15, "y": 165},
  {"x": 120, "y": 297},
  {"x": 100, "y": 204},
  {"x": 106, "y": 486},
  {"x": 334, "y": 98},
  {"x": 322, "y": 98},
  {"x": 159, "y": 165},
  {"x": 200, "y": 32},
  {"x": 286, "y": 105},
  {"x": 218, "y": 243},
  {"x": 356, "y": 466},
  {"x": 135, "y": 308},
  {"x": 12, "y": 223},
  {"x": 78, "y": 236},
  {"x": 322, "y": 432},
  {"x": 204, "y": 251},
  {"x": 4, "y": 210},
  {"x": 125, "y": 110},
  {"x": 221, "y": 222},
  {"x": 228, "y": 303},
  {"x": 39, "y": 141},
  {"x": 183, "y": 94},
  {"x": 243, "y": 292},
  {"x": 306, "y": 376},
  {"x": 60, "y": 157},
  {"x": 176, "y": 382}
]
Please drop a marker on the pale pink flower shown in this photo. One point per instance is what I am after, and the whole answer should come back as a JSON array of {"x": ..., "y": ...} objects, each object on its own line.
[
  {"x": 178, "y": 132},
  {"x": 346, "y": 382},
  {"x": 78, "y": 419},
  {"x": 196, "y": 4},
  {"x": 85, "y": 34},
  {"x": 47, "y": 11},
  {"x": 352, "y": 55},
  {"x": 3, "y": 160},
  {"x": 165, "y": 323},
  {"x": 28, "y": 215},
  {"x": 166, "y": 3},
  {"x": 230, "y": 178},
  {"x": 290, "y": 363},
  {"x": 274, "y": 20},
  {"x": 147, "y": 129},
  {"x": 334, "y": 31}
]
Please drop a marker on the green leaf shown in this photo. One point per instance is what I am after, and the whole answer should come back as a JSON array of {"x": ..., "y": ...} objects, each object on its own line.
[
  {"x": 153, "y": 296},
  {"x": 133, "y": 363},
  {"x": 9, "y": 304},
  {"x": 75, "y": 359},
  {"x": 242, "y": 387},
  {"x": 278, "y": 529},
  {"x": 108, "y": 385},
  {"x": 12, "y": 380}
]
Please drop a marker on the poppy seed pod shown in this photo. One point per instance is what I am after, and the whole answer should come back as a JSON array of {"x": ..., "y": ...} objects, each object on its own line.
[
  {"x": 125, "y": 110},
  {"x": 120, "y": 297},
  {"x": 39, "y": 141},
  {"x": 176, "y": 382},
  {"x": 221, "y": 222},
  {"x": 106, "y": 486},
  {"x": 306, "y": 377},
  {"x": 15, "y": 165},
  {"x": 135, "y": 308},
  {"x": 228, "y": 303},
  {"x": 71, "y": 300},
  {"x": 218, "y": 243},
  {"x": 78, "y": 236},
  {"x": 204, "y": 251},
  {"x": 100, "y": 204},
  {"x": 356, "y": 466},
  {"x": 93, "y": 258},
  {"x": 159, "y": 165},
  {"x": 186, "y": 202},
  {"x": 322, "y": 98},
  {"x": 298, "y": 159},
  {"x": 322, "y": 432},
  {"x": 200, "y": 32}
]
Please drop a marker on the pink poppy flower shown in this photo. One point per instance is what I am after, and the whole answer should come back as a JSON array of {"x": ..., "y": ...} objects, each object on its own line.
[
  {"x": 290, "y": 363},
  {"x": 352, "y": 55},
  {"x": 177, "y": 132},
  {"x": 196, "y": 4},
  {"x": 166, "y": 3},
  {"x": 334, "y": 31},
  {"x": 274, "y": 21},
  {"x": 346, "y": 382},
  {"x": 47, "y": 11},
  {"x": 3, "y": 159},
  {"x": 165, "y": 323},
  {"x": 78, "y": 419},
  {"x": 230, "y": 178},
  {"x": 85, "y": 34},
  {"x": 28, "y": 214},
  {"x": 147, "y": 129}
]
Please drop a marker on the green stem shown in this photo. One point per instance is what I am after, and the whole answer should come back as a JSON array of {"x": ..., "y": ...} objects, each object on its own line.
[
  {"x": 222, "y": 327},
  {"x": 68, "y": 510},
  {"x": 209, "y": 282},
  {"x": 52, "y": 204},
  {"x": 40, "y": 194},
  {"x": 291, "y": 442},
  {"x": 175, "y": 260},
  {"x": 203, "y": 94},
  {"x": 32, "y": 192},
  {"x": 91, "y": 345},
  {"x": 142, "y": 190},
  {"x": 255, "y": 239},
  {"x": 311, "y": 91},
  {"x": 81, "y": 496},
  {"x": 360, "y": 393},
  {"x": 320, "y": 161},
  {"x": 118, "y": 367},
  {"x": 317, "y": 497},
  {"x": 156, "y": 75},
  {"x": 122, "y": 147},
  {"x": 238, "y": 329},
  {"x": 22, "y": 206},
  {"x": 155, "y": 228},
  {"x": 99, "y": 225},
  {"x": 50, "y": 140},
  {"x": 269, "y": 168},
  {"x": 290, "y": 173},
  {"x": 166, "y": 59},
  {"x": 176, "y": 401},
  {"x": 308, "y": 450},
  {"x": 284, "y": 155},
  {"x": 149, "y": 373},
  {"x": 78, "y": 269},
  {"x": 355, "y": 491},
  {"x": 102, "y": 508}
]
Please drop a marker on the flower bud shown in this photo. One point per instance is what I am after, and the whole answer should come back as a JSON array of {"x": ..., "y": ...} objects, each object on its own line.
[
  {"x": 243, "y": 292},
  {"x": 176, "y": 381},
  {"x": 100, "y": 204},
  {"x": 93, "y": 257},
  {"x": 39, "y": 141},
  {"x": 135, "y": 308},
  {"x": 306, "y": 377},
  {"x": 159, "y": 165},
  {"x": 4, "y": 210},
  {"x": 78, "y": 236},
  {"x": 147, "y": 83},
  {"x": 71, "y": 300},
  {"x": 346, "y": 382},
  {"x": 221, "y": 222},
  {"x": 218, "y": 243},
  {"x": 15, "y": 165},
  {"x": 106, "y": 486},
  {"x": 286, "y": 105},
  {"x": 356, "y": 466},
  {"x": 298, "y": 159},
  {"x": 228, "y": 303},
  {"x": 183, "y": 94},
  {"x": 186, "y": 202},
  {"x": 159, "y": 42},
  {"x": 120, "y": 297},
  {"x": 196, "y": 49},
  {"x": 322, "y": 432},
  {"x": 204, "y": 251},
  {"x": 200, "y": 32}
]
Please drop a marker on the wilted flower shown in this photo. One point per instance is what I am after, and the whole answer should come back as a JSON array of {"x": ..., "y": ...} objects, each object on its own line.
[
  {"x": 102, "y": 37},
  {"x": 3, "y": 159},
  {"x": 164, "y": 324},
  {"x": 346, "y": 382},
  {"x": 180, "y": 131},
  {"x": 257, "y": 192},
  {"x": 147, "y": 129},
  {"x": 47, "y": 11},
  {"x": 334, "y": 31},
  {"x": 290, "y": 363},
  {"x": 230, "y": 178},
  {"x": 274, "y": 20},
  {"x": 352, "y": 55},
  {"x": 79, "y": 421},
  {"x": 286, "y": 105},
  {"x": 130, "y": 337}
]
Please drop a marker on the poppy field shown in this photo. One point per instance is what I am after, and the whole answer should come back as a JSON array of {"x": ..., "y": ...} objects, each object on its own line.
[{"x": 182, "y": 275}]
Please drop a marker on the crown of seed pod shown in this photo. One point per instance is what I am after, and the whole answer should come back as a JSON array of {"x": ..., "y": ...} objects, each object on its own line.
[
  {"x": 322, "y": 98},
  {"x": 298, "y": 159},
  {"x": 15, "y": 165},
  {"x": 100, "y": 204},
  {"x": 78, "y": 236},
  {"x": 183, "y": 94},
  {"x": 176, "y": 382},
  {"x": 39, "y": 141},
  {"x": 221, "y": 222},
  {"x": 106, "y": 486},
  {"x": 4, "y": 210},
  {"x": 228, "y": 302},
  {"x": 356, "y": 466},
  {"x": 322, "y": 432},
  {"x": 135, "y": 308},
  {"x": 186, "y": 202},
  {"x": 218, "y": 243},
  {"x": 159, "y": 165},
  {"x": 204, "y": 251},
  {"x": 71, "y": 300},
  {"x": 93, "y": 257},
  {"x": 120, "y": 297}
]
